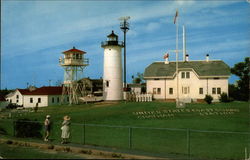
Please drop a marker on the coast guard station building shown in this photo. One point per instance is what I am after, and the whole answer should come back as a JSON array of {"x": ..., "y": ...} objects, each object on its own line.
[{"x": 195, "y": 79}]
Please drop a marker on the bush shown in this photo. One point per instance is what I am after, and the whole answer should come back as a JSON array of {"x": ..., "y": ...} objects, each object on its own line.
[
  {"x": 208, "y": 99},
  {"x": 9, "y": 142},
  {"x": 27, "y": 128},
  {"x": 224, "y": 98},
  {"x": 3, "y": 131},
  {"x": 12, "y": 106}
]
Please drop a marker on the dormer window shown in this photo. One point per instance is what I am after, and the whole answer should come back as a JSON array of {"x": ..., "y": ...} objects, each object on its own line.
[{"x": 185, "y": 75}]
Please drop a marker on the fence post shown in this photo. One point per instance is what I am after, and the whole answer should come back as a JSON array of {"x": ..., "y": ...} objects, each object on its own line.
[
  {"x": 83, "y": 133},
  {"x": 130, "y": 138},
  {"x": 188, "y": 143},
  {"x": 14, "y": 128}
]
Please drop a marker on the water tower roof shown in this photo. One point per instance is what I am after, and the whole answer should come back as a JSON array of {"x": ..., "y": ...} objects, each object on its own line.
[{"x": 74, "y": 50}]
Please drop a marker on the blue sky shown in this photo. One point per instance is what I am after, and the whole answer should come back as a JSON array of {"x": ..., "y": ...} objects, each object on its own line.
[{"x": 34, "y": 33}]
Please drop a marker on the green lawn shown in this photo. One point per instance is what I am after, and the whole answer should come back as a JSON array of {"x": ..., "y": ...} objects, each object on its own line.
[
  {"x": 16, "y": 152},
  {"x": 180, "y": 138}
]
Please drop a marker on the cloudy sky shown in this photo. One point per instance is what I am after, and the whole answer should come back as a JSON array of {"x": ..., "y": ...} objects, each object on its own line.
[{"x": 35, "y": 33}]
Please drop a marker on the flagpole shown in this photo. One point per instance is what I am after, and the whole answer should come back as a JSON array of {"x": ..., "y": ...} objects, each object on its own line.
[{"x": 177, "y": 71}]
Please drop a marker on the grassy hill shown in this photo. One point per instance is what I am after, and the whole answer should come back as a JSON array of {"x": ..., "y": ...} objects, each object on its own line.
[
  {"x": 129, "y": 125},
  {"x": 127, "y": 115}
]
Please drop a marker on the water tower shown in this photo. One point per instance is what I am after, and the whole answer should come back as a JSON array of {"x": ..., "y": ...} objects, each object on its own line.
[
  {"x": 112, "y": 73},
  {"x": 73, "y": 63}
]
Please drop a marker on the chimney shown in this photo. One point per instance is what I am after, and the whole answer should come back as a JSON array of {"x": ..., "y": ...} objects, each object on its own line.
[
  {"x": 207, "y": 57},
  {"x": 187, "y": 57},
  {"x": 184, "y": 43}
]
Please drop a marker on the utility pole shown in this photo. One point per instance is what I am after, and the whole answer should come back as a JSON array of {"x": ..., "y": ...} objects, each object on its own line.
[{"x": 124, "y": 25}]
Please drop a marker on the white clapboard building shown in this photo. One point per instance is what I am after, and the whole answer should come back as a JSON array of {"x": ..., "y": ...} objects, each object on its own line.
[
  {"x": 42, "y": 97},
  {"x": 195, "y": 79}
]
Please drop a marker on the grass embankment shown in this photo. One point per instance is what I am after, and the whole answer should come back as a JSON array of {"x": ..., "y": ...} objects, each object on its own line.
[{"x": 233, "y": 117}]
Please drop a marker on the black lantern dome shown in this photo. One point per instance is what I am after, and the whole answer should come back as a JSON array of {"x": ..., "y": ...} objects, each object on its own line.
[{"x": 112, "y": 39}]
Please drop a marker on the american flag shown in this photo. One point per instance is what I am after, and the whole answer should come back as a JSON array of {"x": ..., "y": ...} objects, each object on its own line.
[
  {"x": 176, "y": 15},
  {"x": 166, "y": 56}
]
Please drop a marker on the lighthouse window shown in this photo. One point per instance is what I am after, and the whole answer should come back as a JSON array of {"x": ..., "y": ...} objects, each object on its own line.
[
  {"x": 107, "y": 83},
  {"x": 77, "y": 56}
]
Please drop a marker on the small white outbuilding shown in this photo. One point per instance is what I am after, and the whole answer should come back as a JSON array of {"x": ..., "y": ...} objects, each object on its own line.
[{"x": 41, "y": 97}]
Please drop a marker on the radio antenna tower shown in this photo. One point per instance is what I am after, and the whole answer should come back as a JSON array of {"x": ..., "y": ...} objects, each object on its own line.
[
  {"x": 124, "y": 25},
  {"x": 73, "y": 63}
]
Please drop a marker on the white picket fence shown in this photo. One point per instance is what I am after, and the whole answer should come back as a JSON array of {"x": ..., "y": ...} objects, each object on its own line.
[{"x": 139, "y": 97}]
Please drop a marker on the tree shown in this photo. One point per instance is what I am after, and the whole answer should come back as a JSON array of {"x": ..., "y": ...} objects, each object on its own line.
[
  {"x": 233, "y": 91},
  {"x": 138, "y": 79},
  {"x": 241, "y": 70}
]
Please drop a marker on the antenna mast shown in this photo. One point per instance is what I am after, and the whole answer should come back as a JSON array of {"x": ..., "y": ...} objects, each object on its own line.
[{"x": 124, "y": 25}]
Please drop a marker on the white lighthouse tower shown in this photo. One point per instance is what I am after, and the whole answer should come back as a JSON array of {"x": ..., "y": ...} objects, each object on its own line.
[{"x": 112, "y": 73}]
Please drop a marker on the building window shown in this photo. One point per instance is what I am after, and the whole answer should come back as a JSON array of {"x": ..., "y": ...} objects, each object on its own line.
[
  {"x": 39, "y": 100},
  {"x": 58, "y": 99},
  {"x": 213, "y": 90},
  {"x": 154, "y": 90},
  {"x": 67, "y": 99},
  {"x": 185, "y": 90},
  {"x": 107, "y": 83},
  {"x": 200, "y": 90},
  {"x": 158, "y": 90},
  {"x": 10, "y": 100},
  {"x": 185, "y": 75},
  {"x": 53, "y": 99},
  {"x": 171, "y": 91},
  {"x": 31, "y": 100},
  {"x": 218, "y": 90},
  {"x": 17, "y": 96},
  {"x": 17, "y": 101},
  {"x": 182, "y": 74}
]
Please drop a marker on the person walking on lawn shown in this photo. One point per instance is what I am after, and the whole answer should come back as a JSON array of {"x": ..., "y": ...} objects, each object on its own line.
[
  {"x": 47, "y": 125},
  {"x": 65, "y": 129}
]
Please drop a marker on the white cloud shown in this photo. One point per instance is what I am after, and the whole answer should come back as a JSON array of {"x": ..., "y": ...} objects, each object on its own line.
[{"x": 152, "y": 26}]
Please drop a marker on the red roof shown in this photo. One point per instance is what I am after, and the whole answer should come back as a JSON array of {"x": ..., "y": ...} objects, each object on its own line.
[
  {"x": 23, "y": 91},
  {"x": 51, "y": 90},
  {"x": 74, "y": 50},
  {"x": 2, "y": 98}
]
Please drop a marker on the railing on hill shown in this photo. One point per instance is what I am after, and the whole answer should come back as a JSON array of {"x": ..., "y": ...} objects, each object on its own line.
[
  {"x": 132, "y": 97},
  {"x": 167, "y": 142}
]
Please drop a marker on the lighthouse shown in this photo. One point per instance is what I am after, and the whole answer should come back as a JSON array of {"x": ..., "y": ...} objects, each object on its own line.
[{"x": 112, "y": 72}]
